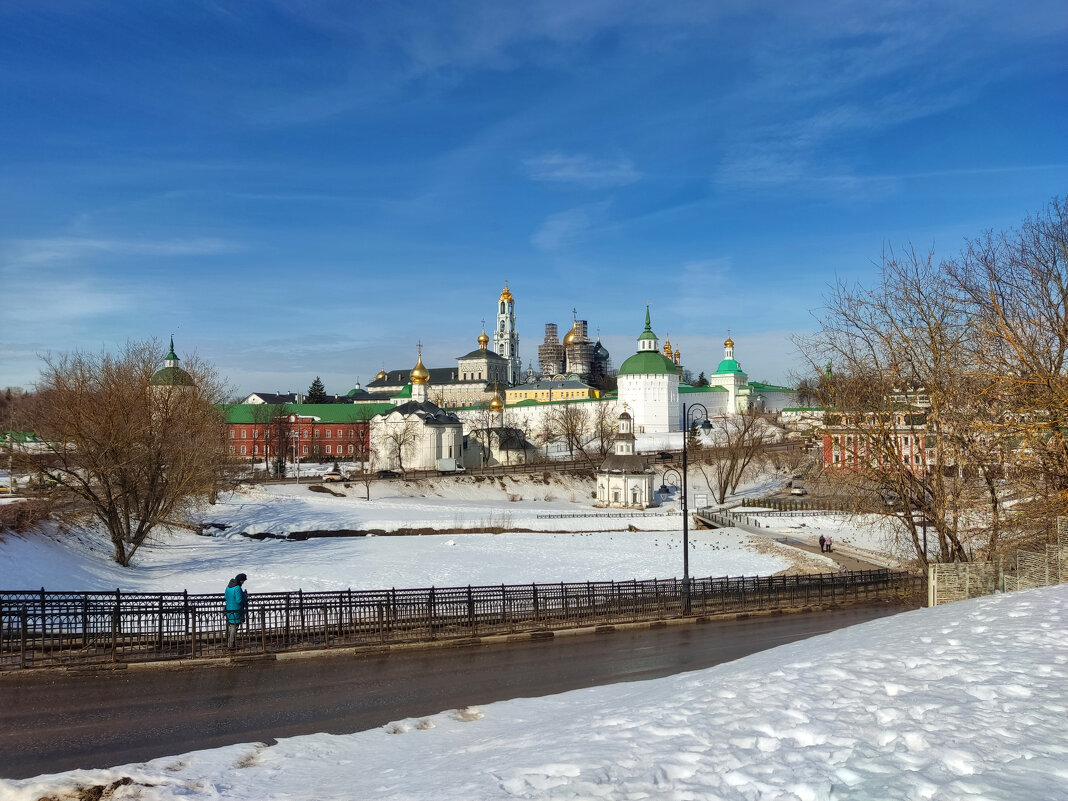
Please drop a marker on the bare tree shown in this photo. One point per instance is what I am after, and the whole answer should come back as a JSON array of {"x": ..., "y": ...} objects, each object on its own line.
[
  {"x": 739, "y": 444},
  {"x": 604, "y": 428},
  {"x": 571, "y": 423},
  {"x": 398, "y": 440},
  {"x": 907, "y": 415},
  {"x": 126, "y": 453},
  {"x": 1015, "y": 285}
]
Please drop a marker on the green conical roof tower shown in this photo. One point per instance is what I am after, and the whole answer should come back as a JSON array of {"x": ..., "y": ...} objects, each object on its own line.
[{"x": 171, "y": 375}]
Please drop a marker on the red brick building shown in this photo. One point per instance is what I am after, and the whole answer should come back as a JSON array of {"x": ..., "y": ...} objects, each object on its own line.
[{"x": 309, "y": 432}]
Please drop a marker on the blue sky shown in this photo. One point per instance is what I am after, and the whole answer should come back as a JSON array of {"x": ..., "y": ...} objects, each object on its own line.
[{"x": 311, "y": 188}]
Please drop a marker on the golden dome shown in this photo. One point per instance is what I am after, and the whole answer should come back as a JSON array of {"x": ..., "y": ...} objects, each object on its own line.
[
  {"x": 381, "y": 374},
  {"x": 506, "y": 293},
  {"x": 678, "y": 356},
  {"x": 667, "y": 347},
  {"x": 483, "y": 340},
  {"x": 496, "y": 405},
  {"x": 420, "y": 375},
  {"x": 571, "y": 335},
  {"x": 729, "y": 343}
]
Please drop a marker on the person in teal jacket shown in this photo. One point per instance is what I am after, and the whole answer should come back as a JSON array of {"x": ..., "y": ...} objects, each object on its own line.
[{"x": 236, "y": 607}]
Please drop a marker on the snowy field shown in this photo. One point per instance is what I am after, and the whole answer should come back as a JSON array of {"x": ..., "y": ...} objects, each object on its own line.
[
  {"x": 560, "y": 549},
  {"x": 964, "y": 701}
]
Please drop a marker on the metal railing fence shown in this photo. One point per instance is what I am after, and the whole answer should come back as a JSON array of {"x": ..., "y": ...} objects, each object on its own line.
[{"x": 40, "y": 628}]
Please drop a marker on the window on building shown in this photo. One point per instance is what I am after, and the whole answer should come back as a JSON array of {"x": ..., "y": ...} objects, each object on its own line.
[
  {"x": 255, "y": 449},
  {"x": 317, "y": 433},
  {"x": 232, "y": 433},
  {"x": 244, "y": 450},
  {"x": 328, "y": 449},
  {"x": 339, "y": 433},
  {"x": 305, "y": 450},
  {"x": 244, "y": 434},
  {"x": 329, "y": 433},
  {"x": 231, "y": 447},
  {"x": 351, "y": 449}
]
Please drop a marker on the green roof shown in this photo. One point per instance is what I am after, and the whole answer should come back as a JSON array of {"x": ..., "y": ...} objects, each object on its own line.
[
  {"x": 686, "y": 389},
  {"x": 405, "y": 393},
  {"x": 326, "y": 412},
  {"x": 171, "y": 377},
  {"x": 729, "y": 366},
  {"x": 762, "y": 387},
  {"x": 648, "y": 362},
  {"x": 648, "y": 332}
]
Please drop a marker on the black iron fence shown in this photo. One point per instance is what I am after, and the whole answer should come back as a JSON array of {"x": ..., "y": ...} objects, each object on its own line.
[{"x": 40, "y": 628}]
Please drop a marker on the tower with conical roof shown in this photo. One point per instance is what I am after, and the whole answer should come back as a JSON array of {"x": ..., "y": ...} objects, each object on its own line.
[
  {"x": 506, "y": 337},
  {"x": 170, "y": 375},
  {"x": 730, "y": 376},
  {"x": 648, "y": 385}
]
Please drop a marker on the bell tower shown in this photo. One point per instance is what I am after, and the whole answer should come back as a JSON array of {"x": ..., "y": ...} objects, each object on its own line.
[{"x": 506, "y": 338}]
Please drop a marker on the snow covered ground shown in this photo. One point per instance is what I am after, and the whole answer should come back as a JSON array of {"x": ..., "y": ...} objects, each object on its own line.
[
  {"x": 560, "y": 548},
  {"x": 963, "y": 701}
]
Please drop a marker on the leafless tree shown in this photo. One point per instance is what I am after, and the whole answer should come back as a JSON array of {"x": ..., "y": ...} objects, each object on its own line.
[
  {"x": 1015, "y": 285},
  {"x": 604, "y": 428},
  {"x": 571, "y": 423},
  {"x": 739, "y": 444},
  {"x": 398, "y": 440},
  {"x": 130, "y": 455}
]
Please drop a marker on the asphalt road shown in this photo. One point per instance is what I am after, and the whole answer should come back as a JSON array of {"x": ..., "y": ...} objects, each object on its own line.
[{"x": 52, "y": 721}]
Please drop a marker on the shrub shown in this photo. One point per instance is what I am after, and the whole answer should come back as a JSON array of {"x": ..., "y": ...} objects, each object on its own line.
[{"x": 24, "y": 515}]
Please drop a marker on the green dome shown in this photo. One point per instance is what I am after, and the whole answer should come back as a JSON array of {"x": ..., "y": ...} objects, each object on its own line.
[
  {"x": 729, "y": 366},
  {"x": 649, "y": 362},
  {"x": 172, "y": 375}
]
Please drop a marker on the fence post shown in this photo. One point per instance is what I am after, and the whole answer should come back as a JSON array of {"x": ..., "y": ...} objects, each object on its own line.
[
  {"x": 430, "y": 612},
  {"x": 326, "y": 626},
  {"x": 300, "y": 604},
  {"x": 24, "y": 624},
  {"x": 263, "y": 630},
  {"x": 471, "y": 611},
  {"x": 115, "y": 633},
  {"x": 85, "y": 620},
  {"x": 44, "y": 626},
  {"x": 381, "y": 622},
  {"x": 288, "y": 632},
  {"x": 193, "y": 632},
  {"x": 534, "y": 597},
  {"x": 159, "y": 632}
]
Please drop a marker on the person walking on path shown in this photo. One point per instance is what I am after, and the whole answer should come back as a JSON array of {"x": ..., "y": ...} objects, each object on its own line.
[
  {"x": 829, "y": 549},
  {"x": 823, "y": 543},
  {"x": 236, "y": 608}
]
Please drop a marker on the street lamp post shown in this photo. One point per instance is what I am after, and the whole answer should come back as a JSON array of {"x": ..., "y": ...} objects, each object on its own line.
[{"x": 688, "y": 420}]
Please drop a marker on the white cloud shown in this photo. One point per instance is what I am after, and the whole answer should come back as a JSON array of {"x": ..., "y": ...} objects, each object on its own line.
[
  {"x": 72, "y": 248},
  {"x": 582, "y": 170},
  {"x": 569, "y": 227}
]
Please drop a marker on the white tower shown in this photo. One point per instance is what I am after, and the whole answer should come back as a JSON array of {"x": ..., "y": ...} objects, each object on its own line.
[
  {"x": 649, "y": 385},
  {"x": 506, "y": 338}
]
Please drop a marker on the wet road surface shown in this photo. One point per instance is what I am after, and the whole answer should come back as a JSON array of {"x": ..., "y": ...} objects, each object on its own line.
[{"x": 52, "y": 721}]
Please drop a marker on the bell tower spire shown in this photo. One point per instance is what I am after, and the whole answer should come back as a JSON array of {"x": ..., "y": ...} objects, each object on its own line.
[{"x": 506, "y": 337}]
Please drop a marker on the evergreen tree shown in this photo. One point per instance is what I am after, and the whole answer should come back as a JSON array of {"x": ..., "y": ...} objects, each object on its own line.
[
  {"x": 316, "y": 392},
  {"x": 702, "y": 381}
]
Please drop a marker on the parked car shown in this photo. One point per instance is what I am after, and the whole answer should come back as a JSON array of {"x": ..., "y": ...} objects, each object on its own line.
[
  {"x": 332, "y": 476},
  {"x": 798, "y": 491},
  {"x": 387, "y": 474}
]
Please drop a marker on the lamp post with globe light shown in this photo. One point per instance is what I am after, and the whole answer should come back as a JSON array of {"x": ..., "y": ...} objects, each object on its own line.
[{"x": 688, "y": 420}]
